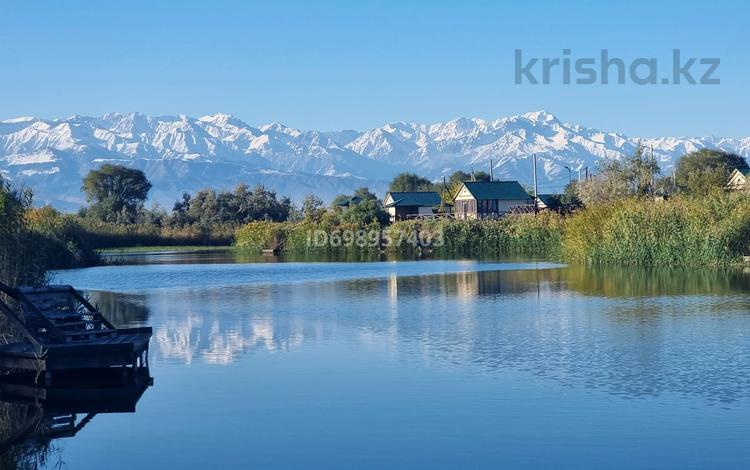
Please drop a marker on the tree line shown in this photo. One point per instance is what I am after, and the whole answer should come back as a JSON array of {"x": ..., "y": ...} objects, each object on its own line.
[
  {"x": 34, "y": 239},
  {"x": 696, "y": 174},
  {"x": 118, "y": 195}
]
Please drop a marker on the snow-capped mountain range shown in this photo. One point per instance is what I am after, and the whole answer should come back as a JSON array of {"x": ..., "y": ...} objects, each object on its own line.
[{"x": 181, "y": 153}]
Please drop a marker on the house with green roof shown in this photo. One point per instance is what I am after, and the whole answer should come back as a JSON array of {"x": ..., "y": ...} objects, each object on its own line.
[
  {"x": 347, "y": 204},
  {"x": 402, "y": 205},
  {"x": 489, "y": 199}
]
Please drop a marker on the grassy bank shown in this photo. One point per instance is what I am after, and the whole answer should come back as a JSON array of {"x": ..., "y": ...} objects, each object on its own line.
[
  {"x": 161, "y": 248},
  {"x": 537, "y": 235},
  {"x": 100, "y": 235},
  {"x": 683, "y": 231},
  {"x": 710, "y": 230},
  {"x": 540, "y": 235}
]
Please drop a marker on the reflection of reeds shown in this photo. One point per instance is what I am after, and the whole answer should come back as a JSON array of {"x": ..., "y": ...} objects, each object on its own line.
[
  {"x": 30, "y": 455},
  {"x": 622, "y": 281}
]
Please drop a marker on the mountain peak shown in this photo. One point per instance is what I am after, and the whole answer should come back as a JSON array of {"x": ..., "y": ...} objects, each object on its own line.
[
  {"x": 181, "y": 153},
  {"x": 276, "y": 126},
  {"x": 222, "y": 120},
  {"x": 539, "y": 116}
]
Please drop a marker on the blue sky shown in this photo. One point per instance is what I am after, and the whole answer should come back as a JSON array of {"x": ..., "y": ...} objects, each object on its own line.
[{"x": 331, "y": 65}]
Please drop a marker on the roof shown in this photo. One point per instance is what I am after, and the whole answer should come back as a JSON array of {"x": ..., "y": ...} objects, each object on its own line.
[
  {"x": 414, "y": 198},
  {"x": 549, "y": 200},
  {"x": 352, "y": 200},
  {"x": 494, "y": 190}
]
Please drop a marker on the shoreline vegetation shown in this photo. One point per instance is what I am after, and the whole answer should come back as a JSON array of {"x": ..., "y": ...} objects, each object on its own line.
[
  {"x": 712, "y": 230},
  {"x": 627, "y": 216}
]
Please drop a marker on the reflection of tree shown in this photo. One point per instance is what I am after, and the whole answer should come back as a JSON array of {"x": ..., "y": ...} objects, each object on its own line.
[
  {"x": 531, "y": 321},
  {"x": 577, "y": 326},
  {"x": 123, "y": 310}
]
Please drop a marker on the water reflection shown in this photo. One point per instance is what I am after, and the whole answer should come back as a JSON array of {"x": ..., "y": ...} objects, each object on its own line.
[
  {"x": 617, "y": 281},
  {"x": 32, "y": 417},
  {"x": 631, "y": 333}
]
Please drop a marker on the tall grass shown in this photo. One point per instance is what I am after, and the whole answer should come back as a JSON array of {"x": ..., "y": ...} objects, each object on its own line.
[
  {"x": 102, "y": 235},
  {"x": 304, "y": 237},
  {"x": 541, "y": 234},
  {"x": 683, "y": 231},
  {"x": 710, "y": 230},
  {"x": 528, "y": 234},
  {"x": 20, "y": 259}
]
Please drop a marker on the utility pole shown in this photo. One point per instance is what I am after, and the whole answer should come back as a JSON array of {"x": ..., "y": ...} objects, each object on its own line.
[
  {"x": 579, "y": 175},
  {"x": 492, "y": 176},
  {"x": 653, "y": 167},
  {"x": 587, "y": 174},
  {"x": 442, "y": 199},
  {"x": 536, "y": 193}
]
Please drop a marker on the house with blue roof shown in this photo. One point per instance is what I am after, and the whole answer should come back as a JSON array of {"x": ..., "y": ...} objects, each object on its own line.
[
  {"x": 489, "y": 199},
  {"x": 402, "y": 205}
]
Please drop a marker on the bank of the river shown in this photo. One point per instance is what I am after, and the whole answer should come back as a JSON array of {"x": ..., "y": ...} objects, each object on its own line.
[
  {"x": 540, "y": 235},
  {"x": 710, "y": 230},
  {"x": 161, "y": 249}
]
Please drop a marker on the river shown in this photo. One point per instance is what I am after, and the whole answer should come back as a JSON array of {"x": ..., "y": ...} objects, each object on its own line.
[{"x": 432, "y": 363}]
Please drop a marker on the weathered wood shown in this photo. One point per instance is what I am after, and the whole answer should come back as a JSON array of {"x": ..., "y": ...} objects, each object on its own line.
[{"x": 64, "y": 331}]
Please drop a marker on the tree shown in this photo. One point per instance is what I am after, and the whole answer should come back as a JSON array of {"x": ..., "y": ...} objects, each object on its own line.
[
  {"x": 610, "y": 184},
  {"x": 312, "y": 208},
  {"x": 366, "y": 212},
  {"x": 208, "y": 207},
  {"x": 634, "y": 175},
  {"x": 116, "y": 192},
  {"x": 364, "y": 194},
  {"x": 640, "y": 170},
  {"x": 410, "y": 182},
  {"x": 705, "y": 170},
  {"x": 570, "y": 193}
]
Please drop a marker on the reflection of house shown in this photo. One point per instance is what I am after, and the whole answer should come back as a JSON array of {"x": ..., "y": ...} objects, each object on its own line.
[
  {"x": 738, "y": 179},
  {"x": 489, "y": 199},
  {"x": 400, "y": 204},
  {"x": 346, "y": 204}
]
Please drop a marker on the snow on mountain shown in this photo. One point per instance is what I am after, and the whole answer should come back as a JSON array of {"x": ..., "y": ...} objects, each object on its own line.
[{"x": 181, "y": 153}]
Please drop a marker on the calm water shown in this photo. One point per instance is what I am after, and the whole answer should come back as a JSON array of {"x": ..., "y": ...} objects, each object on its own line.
[{"x": 424, "y": 364}]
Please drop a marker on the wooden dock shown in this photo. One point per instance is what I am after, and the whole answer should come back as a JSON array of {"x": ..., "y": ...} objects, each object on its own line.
[{"x": 63, "y": 331}]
